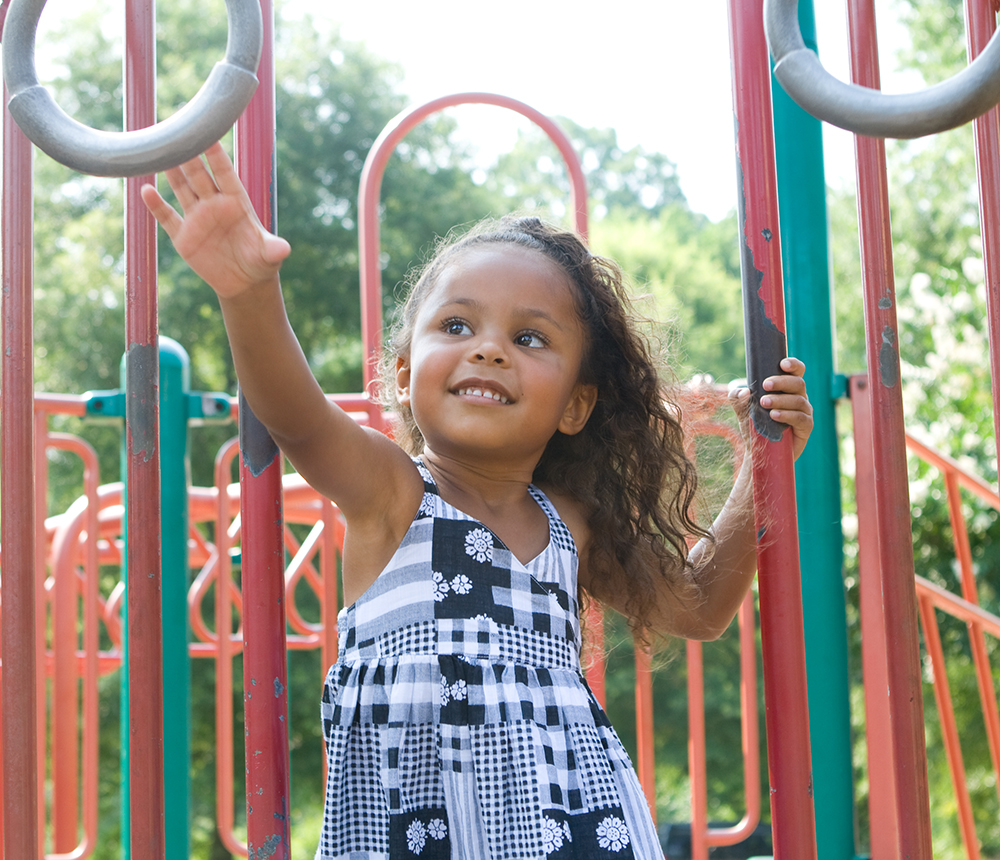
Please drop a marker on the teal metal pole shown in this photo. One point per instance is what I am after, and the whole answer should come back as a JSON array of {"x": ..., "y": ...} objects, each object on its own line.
[
  {"x": 808, "y": 313},
  {"x": 175, "y": 470},
  {"x": 176, "y": 404}
]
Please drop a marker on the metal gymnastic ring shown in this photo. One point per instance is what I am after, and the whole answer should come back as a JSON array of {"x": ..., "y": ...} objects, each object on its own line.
[
  {"x": 951, "y": 103},
  {"x": 195, "y": 127}
]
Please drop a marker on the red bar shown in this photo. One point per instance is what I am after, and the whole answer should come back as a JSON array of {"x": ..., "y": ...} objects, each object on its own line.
[
  {"x": 949, "y": 730},
  {"x": 142, "y": 452},
  {"x": 749, "y": 730},
  {"x": 645, "y": 749},
  {"x": 65, "y": 558},
  {"x": 878, "y": 728},
  {"x": 892, "y": 508},
  {"x": 980, "y": 26},
  {"x": 981, "y": 23},
  {"x": 224, "y": 656},
  {"x": 265, "y": 684},
  {"x": 21, "y": 808},
  {"x": 785, "y": 689},
  {"x": 697, "y": 769},
  {"x": 65, "y": 715}
]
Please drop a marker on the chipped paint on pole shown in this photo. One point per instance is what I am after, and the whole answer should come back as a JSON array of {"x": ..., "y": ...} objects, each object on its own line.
[
  {"x": 262, "y": 534},
  {"x": 782, "y": 636}
]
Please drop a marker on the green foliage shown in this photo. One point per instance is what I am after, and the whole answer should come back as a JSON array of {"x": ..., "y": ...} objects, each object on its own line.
[
  {"x": 532, "y": 175},
  {"x": 682, "y": 263}
]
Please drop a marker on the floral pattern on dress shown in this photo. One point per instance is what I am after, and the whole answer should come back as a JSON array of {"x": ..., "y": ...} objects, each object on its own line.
[
  {"x": 461, "y": 584},
  {"x": 479, "y": 545},
  {"x": 612, "y": 833},
  {"x": 416, "y": 836},
  {"x": 553, "y": 834},
  {"x": 437, "y": 828},
  {"x": 426, "y": 506},
  {"x": 440, "y": 586}
]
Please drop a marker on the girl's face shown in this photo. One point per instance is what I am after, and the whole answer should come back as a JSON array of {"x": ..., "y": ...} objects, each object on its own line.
[{"x": 494, "y": 361}]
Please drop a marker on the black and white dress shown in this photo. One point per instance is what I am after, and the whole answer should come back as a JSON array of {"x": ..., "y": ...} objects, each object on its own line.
[{"x": 457, "y": 719}]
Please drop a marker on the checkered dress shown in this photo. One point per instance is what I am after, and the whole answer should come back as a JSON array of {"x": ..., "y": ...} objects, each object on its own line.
[{"x": 457, "y": 720}]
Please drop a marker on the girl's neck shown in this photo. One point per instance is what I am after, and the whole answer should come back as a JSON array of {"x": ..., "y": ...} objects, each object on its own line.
[
  {"x": 493, "y": 486},
  {"x": 498, "y": 498}
]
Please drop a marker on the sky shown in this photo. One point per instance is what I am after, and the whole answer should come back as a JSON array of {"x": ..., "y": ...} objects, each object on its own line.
[{"x": 656, "y": 72}]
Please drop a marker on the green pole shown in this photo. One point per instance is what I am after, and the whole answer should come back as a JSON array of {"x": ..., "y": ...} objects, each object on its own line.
[
  {"x": 175, "y": 470},
  {"x": 175, "y": 405},
  {"x": 806, "y": 264}
]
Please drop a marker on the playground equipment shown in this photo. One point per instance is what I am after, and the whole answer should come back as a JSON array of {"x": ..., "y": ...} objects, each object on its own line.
[
  {"x": 865, "y": 110},
  {"x": 900, "y": 820},
  {"x": 189, "y": 132}
]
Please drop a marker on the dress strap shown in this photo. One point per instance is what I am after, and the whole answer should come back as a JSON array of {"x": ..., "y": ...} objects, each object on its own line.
[
  {"x": 558, "y": 530},
  {"x": 429, "y": 485}
]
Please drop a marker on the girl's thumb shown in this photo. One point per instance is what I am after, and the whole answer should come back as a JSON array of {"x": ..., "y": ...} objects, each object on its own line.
[{"x": 275, "y": 249}]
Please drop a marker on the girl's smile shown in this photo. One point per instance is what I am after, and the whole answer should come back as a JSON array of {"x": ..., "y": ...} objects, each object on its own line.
[{"x": 496, "y": 353}]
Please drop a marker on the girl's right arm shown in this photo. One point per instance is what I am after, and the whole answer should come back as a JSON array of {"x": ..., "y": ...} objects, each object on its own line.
[{"x": 367, "y": 475}]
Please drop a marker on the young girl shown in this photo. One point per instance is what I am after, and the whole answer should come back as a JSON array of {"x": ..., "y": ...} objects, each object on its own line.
[{"x": 536, "y": 460}]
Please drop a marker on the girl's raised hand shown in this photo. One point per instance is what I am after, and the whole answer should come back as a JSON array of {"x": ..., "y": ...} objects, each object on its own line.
[
  {"x": 784, "y": 397},
  {"x": 219, "y": 235}
]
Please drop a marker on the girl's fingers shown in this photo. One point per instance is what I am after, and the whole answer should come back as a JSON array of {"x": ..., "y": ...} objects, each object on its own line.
[
  {"x": 162, "y": 211},
  {"x": 792, "y": 365},
  {"x": 198, "y": 178},
  {"x": 225, "y": 174},
  {"x": 182, "y": 191}
]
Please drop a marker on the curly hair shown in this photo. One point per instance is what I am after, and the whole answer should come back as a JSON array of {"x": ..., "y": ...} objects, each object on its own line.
[{"x": 628, "y": 465}]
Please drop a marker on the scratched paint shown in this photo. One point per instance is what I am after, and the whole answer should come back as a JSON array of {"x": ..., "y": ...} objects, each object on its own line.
[
  {"x": 256, "y": 445},
  {"x": 278, "y": 688},
  {"x": 765, "y": 343},
  {"x": 142, "y": 388},
  {"x": 268, "y": 849},
  {"x": 888, "y": 358}
]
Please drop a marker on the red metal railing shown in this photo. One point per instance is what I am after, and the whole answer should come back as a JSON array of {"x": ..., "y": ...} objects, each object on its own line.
[
  {"x": 88, "y": 535},
  {"x": 931, "y": 599}
]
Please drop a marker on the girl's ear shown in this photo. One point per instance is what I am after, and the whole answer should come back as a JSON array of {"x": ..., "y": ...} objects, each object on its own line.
[
  {"x": 578, "y": 410},
  {"x": 402, "y": 381}
]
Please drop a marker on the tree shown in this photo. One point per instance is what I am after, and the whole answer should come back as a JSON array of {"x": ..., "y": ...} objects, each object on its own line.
[{"x": 532, "y": 175}]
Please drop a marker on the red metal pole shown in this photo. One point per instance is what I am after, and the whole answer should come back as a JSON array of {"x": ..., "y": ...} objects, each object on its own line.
[
  {"x": 17, "y": 491},
  {"x": 697, "y": 768},
  {"x": 878, "y": 728},
  {"x": 142, "y": 451},
  {"x": 980, "y": 26},
  {"x": 892, "y": 507},
  {"x": 782, "y": 638},
  {"x": 265, "y": 686},
  {"x": 645, "y": 749}
]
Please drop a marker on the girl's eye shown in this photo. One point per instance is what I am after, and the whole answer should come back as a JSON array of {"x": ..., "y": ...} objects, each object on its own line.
[
  {"x": 456, "y": 327},
  {"x": 530, "y": 338}
]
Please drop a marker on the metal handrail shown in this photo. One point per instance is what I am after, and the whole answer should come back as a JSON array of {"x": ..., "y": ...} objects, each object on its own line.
[
  {"x": 870, "y": 112},
  {"x": 966, "y": 608}
]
